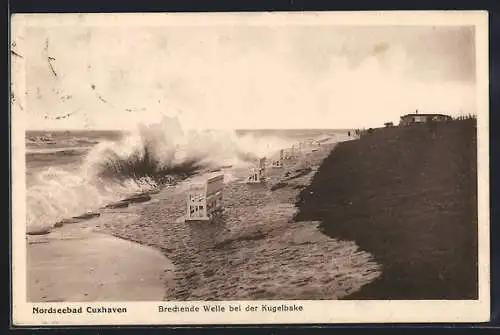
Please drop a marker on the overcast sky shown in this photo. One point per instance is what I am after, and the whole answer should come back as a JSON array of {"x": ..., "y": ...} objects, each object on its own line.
[{"x": 246, "y": 76}]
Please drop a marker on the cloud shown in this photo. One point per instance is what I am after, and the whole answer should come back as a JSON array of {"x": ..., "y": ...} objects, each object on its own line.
[{"x": 237, "y": 78}]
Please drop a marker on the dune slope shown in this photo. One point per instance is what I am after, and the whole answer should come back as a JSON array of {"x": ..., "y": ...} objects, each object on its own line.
[{"x": 409, "y": 196}]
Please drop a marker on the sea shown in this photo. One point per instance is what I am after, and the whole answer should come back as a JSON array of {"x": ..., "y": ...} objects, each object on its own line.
[{"x": 70, "y": 172}]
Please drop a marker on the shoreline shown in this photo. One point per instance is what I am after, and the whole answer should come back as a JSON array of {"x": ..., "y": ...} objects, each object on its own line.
[{"x": 75, "y": 263}]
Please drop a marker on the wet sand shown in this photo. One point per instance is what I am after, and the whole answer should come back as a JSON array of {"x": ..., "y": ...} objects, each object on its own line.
[{"x": 74, "y": 263}]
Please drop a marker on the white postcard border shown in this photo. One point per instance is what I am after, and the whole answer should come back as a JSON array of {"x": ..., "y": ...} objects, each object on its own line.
[{"x": 312, "y": 311}]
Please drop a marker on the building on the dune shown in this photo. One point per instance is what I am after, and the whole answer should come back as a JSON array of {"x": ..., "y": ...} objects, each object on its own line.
[{"x": 414, "y": 118}]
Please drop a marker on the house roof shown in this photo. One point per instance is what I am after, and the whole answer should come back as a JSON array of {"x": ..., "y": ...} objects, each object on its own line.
[{"x": 423, "y": 114}]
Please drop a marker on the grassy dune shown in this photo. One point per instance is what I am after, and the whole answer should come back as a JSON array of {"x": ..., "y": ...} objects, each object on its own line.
[{"x": 408, "y": 196}]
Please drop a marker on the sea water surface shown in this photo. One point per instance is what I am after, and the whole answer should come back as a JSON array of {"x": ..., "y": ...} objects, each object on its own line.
[{"x": 74, "y": 171}]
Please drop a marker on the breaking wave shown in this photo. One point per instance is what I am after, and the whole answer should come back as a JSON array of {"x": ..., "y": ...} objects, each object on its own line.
[{"x": 145, "y": 159}]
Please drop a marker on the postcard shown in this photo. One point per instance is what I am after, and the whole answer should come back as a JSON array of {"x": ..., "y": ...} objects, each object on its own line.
[{"x": 250, "y": 168}]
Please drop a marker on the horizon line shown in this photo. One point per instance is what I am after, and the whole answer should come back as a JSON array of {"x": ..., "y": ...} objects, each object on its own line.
[{"x": 235, "y": 129}]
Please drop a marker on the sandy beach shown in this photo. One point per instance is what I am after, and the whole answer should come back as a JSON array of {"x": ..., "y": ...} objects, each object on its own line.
[{"x": 254, "y": 251}]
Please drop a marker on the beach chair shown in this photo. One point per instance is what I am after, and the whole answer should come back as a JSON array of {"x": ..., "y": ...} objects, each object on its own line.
[
  {"x": 291, "y": 153},
  {"x": 257, "y": 174},
  {"x": 277, "y": 164},
  {"x": 204, "y": 201}
]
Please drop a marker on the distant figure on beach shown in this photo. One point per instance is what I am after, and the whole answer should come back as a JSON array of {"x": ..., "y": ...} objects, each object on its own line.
[{"x": 349, "y": 133}]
